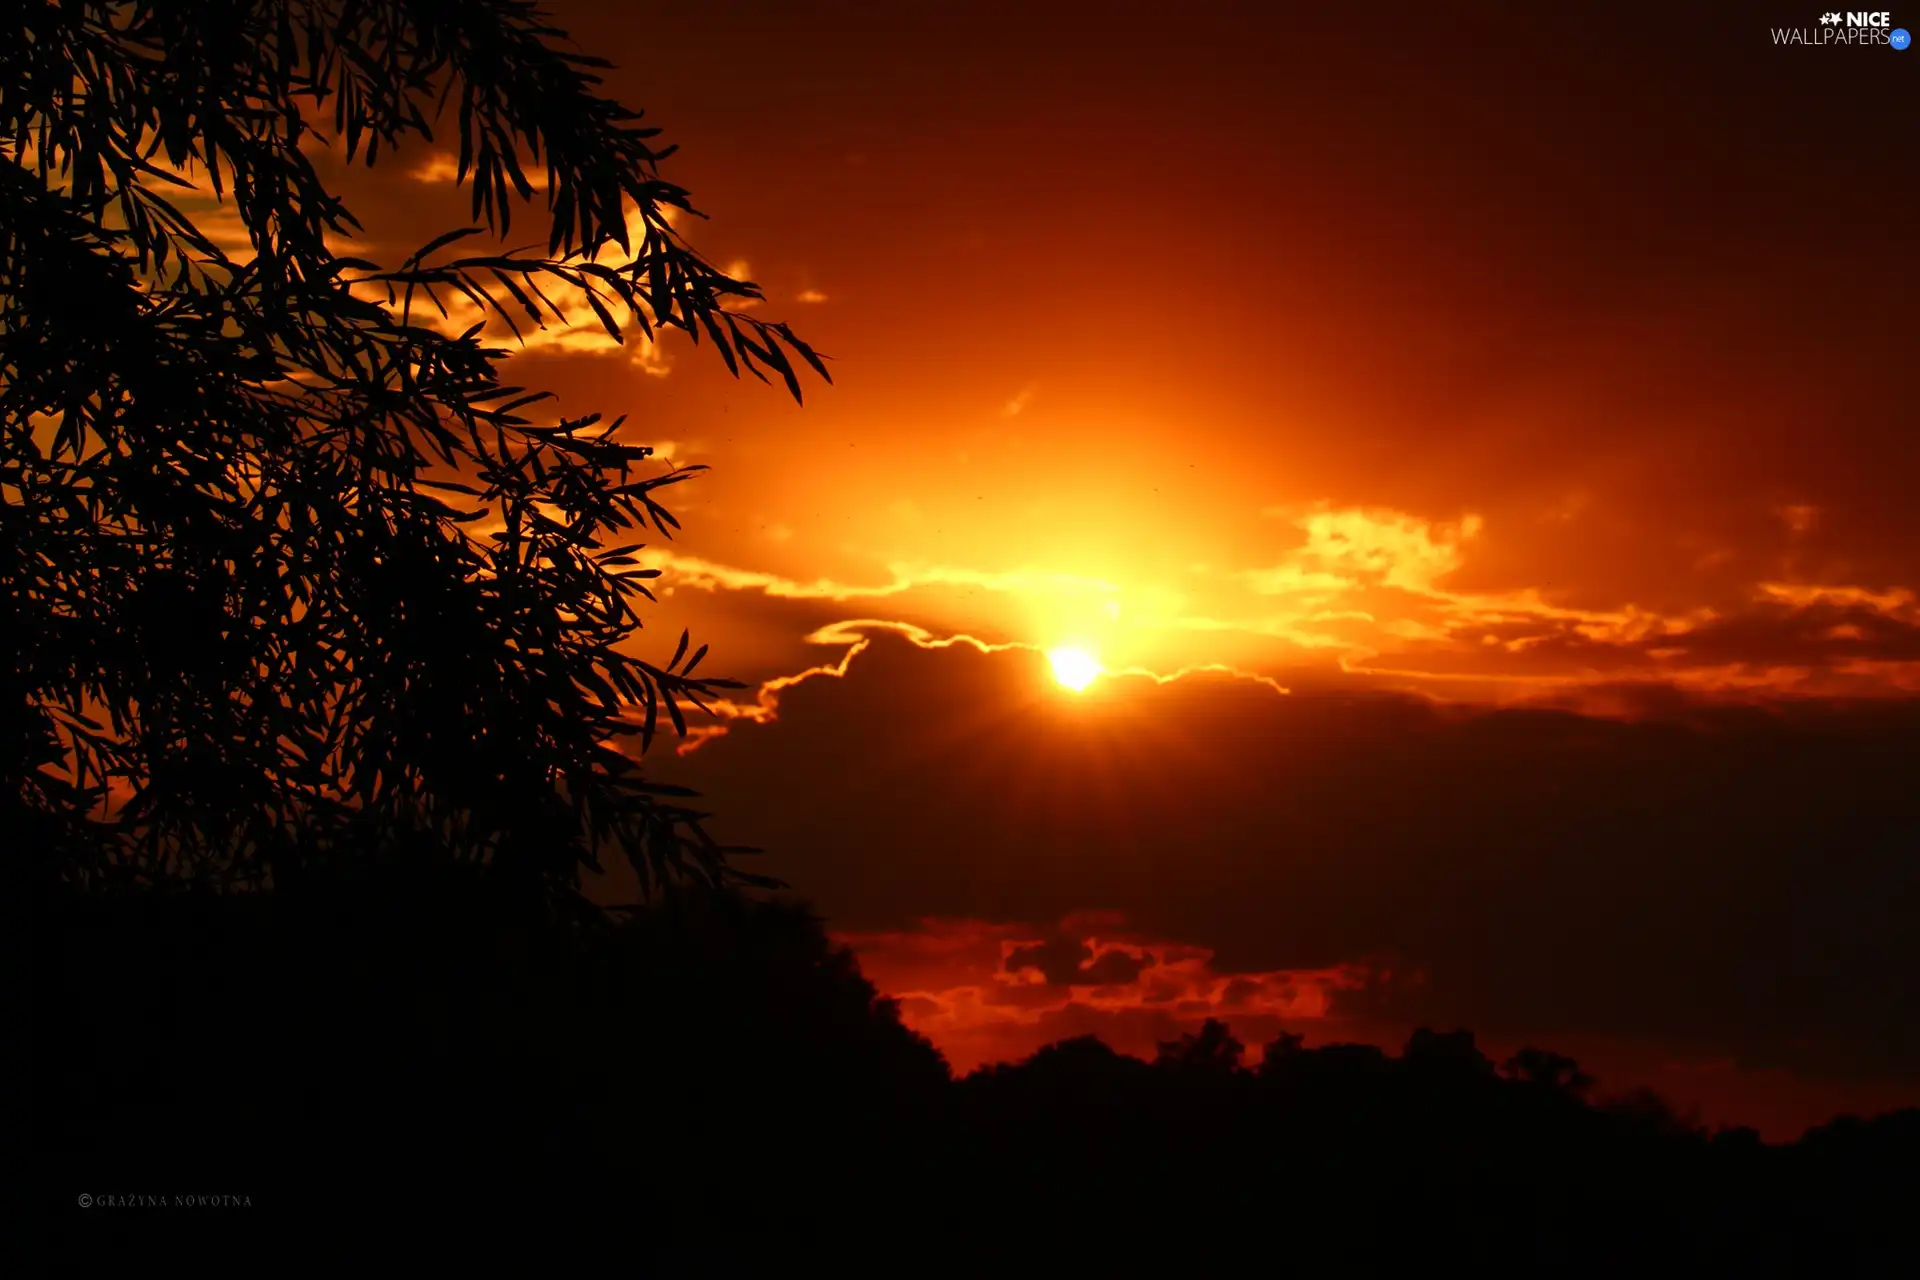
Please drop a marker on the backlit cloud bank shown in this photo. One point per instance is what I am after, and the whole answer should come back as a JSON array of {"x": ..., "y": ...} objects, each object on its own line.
[{"x": 1737, "y": 880}]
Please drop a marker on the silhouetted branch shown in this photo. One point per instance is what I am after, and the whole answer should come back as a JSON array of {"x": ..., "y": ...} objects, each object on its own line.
[{"x": 292, "y": 574}]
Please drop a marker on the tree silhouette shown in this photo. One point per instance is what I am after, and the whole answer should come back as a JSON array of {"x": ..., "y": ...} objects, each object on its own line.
[
  {"x": 1445, "y": 1053},
  {"x": 1281, "y": 1051},
  {"x": 1378, "y": 1165},
  {"x": 1549, "y": 1070},
  {"x": 1212, "y": 1049},
  {"x": 291, "y": 578}
]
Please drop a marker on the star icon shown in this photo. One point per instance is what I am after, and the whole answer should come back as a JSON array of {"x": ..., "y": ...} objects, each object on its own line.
[{"x": 1829, "y": 19}]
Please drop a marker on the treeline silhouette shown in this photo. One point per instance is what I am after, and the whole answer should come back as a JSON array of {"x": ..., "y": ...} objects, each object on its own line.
[{"x": 710, "y": 1084}]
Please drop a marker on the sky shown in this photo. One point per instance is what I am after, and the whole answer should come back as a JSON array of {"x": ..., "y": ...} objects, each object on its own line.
[{"x": 1474, "y": 445}]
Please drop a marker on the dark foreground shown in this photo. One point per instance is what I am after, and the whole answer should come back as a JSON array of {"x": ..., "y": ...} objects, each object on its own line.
[{"x": 712, "y": 1088}]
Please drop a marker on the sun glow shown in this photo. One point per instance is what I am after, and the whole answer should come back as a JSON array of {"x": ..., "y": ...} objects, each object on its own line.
[{"x": 1074, "y": 668}]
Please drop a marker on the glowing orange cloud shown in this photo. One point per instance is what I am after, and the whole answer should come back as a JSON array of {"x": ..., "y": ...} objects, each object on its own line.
[
  {"x": 854, "y": 635},
  {"x": 1365, "y": 594},
  {"x": 986, "y": 992}
]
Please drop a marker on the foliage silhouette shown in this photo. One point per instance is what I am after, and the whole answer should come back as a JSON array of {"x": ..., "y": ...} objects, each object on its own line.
[
  {"x": 711, "y": 1083},
  {"x": 1358, "y": 1162},
  {"x": 1211, "y": 1048},
  {"x": 387, "y": 1059},
  {"x": 290, "y": 576},
  {"x": 1548, "y": 1070}
]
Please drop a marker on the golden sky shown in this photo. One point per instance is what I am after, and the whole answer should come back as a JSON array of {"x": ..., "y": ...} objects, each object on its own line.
[{"x": 1327, "y": 380}]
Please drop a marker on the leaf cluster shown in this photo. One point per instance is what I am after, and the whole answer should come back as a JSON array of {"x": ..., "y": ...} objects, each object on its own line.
[{"x": 288, "y": 572}]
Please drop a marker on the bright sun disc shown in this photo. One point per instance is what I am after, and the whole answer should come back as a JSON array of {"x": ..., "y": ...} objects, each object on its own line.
[{"x": 1074, "y": 668}]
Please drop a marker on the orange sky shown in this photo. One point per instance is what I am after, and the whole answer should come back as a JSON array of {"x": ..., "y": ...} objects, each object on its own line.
[
  {"x": 1294, "y": 348},
  {"x": 1426, "y": 350}
]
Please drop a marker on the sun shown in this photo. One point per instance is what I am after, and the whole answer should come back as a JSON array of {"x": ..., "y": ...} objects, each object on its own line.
[{"x": 1074, "y": 668}]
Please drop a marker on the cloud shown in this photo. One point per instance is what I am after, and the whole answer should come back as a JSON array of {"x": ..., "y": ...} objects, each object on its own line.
[
  {"x": 1896, "y": 602},
  {"x": 1310, "y": 585},
  {"x": 439, "y": 166},
  {"x": 1065, "y": 961},
  {"x": 1364, "y": 595},
  {"x": 854, "y": 636},
  {"x": 577, "y": 330},
  {"x": 1378, "y": 573},
  {"x": 1799, "y": 517},
  {"x": 810, "y": 296},
  {"x": 989, "y": 992},
  {"x": 741, "y": 269},
  {"x": 213, "y": 213},
  {"x": 1371, "y": 585},
  {"x": 1473, "y": 649},
  {"x": 219, "y": 221},
  {"x": 937, "y": 598},
  {"x": 1789, "y": 640},
  {"x": 696, "y": 574},
  {"x": 443, "y": 167},
  {"x": 1400, "y": 550},
  {"x": 1740, "y": 875}
]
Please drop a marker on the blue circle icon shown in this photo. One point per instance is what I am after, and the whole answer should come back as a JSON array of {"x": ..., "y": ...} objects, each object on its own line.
[{"x": 1899, "y": 38}]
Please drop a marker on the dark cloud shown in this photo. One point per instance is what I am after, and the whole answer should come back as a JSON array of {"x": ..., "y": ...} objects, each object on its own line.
[
  {"x": 1746, "y": 877},
  {"x": 1814, "y": 645},
  {"x": 1066, "y": 962},
  {"x": 1818, "y": 635}
]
